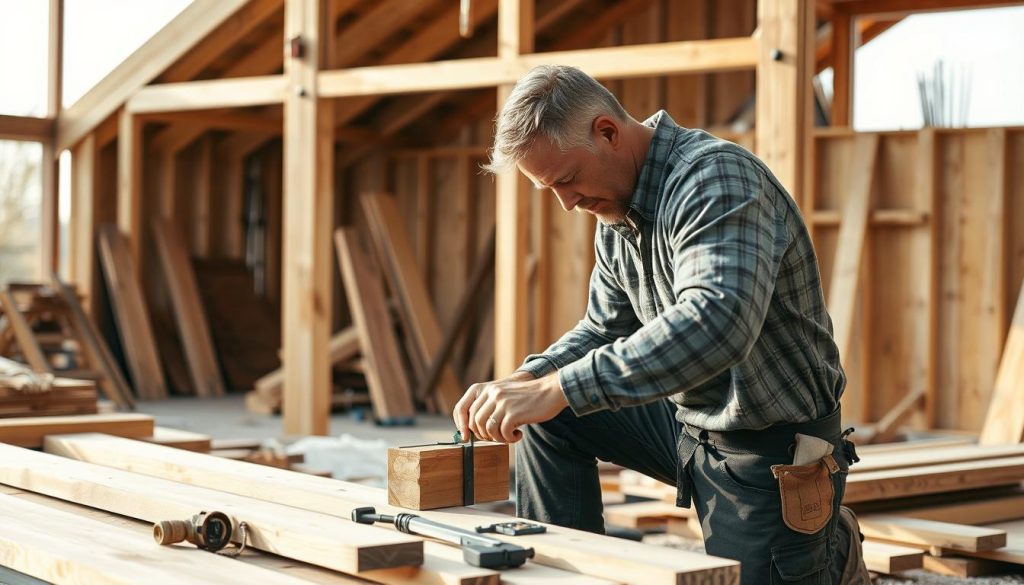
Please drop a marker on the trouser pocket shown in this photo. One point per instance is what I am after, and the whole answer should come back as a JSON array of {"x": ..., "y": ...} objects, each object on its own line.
[
  {"x": 807, "y": 494},
  {"x": 806, "y": 563}
]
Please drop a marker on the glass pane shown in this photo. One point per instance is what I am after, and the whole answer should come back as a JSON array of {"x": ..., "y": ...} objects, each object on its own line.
[
  {"x": 20, "y": 198},
  {"x": 99, "y": 34},
  {"x": 23, "y": 44},
  {"x": 982, "y": 57}
]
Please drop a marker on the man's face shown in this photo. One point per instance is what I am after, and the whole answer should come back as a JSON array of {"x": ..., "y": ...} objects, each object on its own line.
[{"x": 598, "y": 182}]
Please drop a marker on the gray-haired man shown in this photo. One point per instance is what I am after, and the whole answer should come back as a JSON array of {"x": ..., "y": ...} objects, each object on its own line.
[{"x": 705, "y": 350}]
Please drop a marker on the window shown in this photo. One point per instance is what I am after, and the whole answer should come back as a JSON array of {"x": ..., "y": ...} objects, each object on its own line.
[
  {"x": 24, "y": 31},
  {"x": 20, "y": 201}
]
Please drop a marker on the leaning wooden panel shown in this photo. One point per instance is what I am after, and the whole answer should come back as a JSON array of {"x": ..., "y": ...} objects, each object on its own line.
[
  {"x": 315, "y": 538},
  {"x": 385, "y": 376},
  {"x": 132, "y": 315},
  {"x": 23, "y": 333},
  {"x": 931, "y": 479},
  {"x": 30, "y": 431},
  {"x": 63, "y": 548},
  {"x": 394, "y": 251},
  {"x": 188, "y": 306},
  {"x": 1004, "y": 422},
  {"x": 563, "y": 548},
  {"x": 431, "y": 476}
]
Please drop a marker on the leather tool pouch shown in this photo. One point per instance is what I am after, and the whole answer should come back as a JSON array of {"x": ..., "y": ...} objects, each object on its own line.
[{"x": 807, "y": 493}]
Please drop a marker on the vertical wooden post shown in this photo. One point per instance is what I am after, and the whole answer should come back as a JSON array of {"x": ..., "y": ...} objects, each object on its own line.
[
  {"x": 512, "y": 211},
  {"x": 308, "y": 219},
  {"x": 202, "y": 208},
  {"x": 925, "y": 182},
  {"x": 784, "y": 72},
  {"x": 49, "y": 213},
  {"x": 82, "y": 243},
  {"x": 129, "y": 184},
  {"x": 844, "y": 45}
]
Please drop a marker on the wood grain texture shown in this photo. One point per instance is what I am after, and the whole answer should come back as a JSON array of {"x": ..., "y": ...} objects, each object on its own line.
[
  {"x": 886, "y": 558},
  {"x": 930, "y": 479},
  {"x": 570, "y": 550},
  {"x": 322, "y": 540},
  {"x": 30, "y": 431},
  {"x": 918, "y": 532},
  {"x": 430, "y": 477}
]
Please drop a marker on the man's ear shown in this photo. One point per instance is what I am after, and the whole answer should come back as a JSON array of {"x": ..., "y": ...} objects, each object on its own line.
[{"x": 608, "y": 129}]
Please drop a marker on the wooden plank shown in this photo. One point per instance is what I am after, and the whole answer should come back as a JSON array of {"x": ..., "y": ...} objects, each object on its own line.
[
  {"x": 95, "y": 348},
  {"x": 26, "y": 128},
  {"x": 431, "y": 476},
  {"x": 846, "y": 268},
  {"x": 899, "y": 8},
  {"x": 605, "y": 63},
  {"x": 925, "y": 179},
  {"x": 929, "y": 533},
  {"x": 62, "y": 547},
  {"x": 160, "y": 51},
  {"x": 307, "y": 536},
  {"x": 929, "y": 479},
  {"x": 29, "y": 431},
  {"x": 564, "y": 548},
  {"x": 933, "y": 456},
  {"x": 81, "y": 228},
  {"x": 844, "y": 43},
  {"x": 385, "y": 375},
  {"x": 1004, "y": 422},
  {"x": 395, "y": 252},
  {"x": 955, "y": 566},
  {"x": 886, "y": 558},
  {"x": 193, "y": 327},
  {"x": 889, "y": 425},
  {"x": 643, "y": 515},
  {"x": 179, "y": 439},
  {"x": 132, "y": 315},
  {"x": 999, "y": 508},
  {"x": 784, "y": 105},
  {"x": 236, "y": 92},
  {"x": 23, "y": 334},
  {"x": 308, "y": 210},
  {"x": 129, "y": 185},
  {"x": 1013, "y": 552},
  {"x": 49, "y": 209}
]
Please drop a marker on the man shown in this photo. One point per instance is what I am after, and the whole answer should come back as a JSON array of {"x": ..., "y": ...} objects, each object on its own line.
[{"x": 705, "y": 349}]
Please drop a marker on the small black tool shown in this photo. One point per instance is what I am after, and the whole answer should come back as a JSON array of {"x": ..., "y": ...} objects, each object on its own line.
[
  {"x": 513, "y": 528},
  {"x": 477, "y": 550}
]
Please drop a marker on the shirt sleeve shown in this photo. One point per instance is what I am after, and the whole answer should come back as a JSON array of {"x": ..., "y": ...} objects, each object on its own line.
[
  {"x": 609, "y": 316},
  {"x": 727, "y": 240}
]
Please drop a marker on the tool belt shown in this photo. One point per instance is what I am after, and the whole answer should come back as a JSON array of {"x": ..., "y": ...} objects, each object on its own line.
[{"x": 797, "y": 482}]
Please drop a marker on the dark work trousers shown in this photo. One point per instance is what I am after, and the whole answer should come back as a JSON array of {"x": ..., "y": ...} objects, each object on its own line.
[{"x": 727, "y": 475}]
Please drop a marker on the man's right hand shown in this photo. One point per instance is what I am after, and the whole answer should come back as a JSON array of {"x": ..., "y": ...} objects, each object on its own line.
[{"x": 461, "y": 413}]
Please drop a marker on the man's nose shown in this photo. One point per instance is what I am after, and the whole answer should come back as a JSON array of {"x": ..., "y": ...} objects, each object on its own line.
[{"x": 568, "y": 199}]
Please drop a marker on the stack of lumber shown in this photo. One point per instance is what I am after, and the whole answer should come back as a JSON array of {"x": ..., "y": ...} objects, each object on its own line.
[
  {"x": 948, "y": 505},
  {"x": 46, "y": 329},
  {"x": 406, "y": 356},
  {"x": 147, "y": 483}
]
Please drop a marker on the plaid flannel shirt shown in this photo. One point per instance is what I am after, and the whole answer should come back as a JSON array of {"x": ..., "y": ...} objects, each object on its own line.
[{"x": 708, "y": 293}]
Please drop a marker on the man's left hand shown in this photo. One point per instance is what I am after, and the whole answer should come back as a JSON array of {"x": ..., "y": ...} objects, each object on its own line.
[{"x": 499, "y": 408}]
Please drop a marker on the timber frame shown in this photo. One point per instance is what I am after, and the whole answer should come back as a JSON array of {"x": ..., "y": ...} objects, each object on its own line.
[{"x": 308, "y": 94}]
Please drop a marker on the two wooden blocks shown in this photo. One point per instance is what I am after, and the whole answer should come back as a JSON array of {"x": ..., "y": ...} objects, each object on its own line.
[{"x": 430, "y": 476}]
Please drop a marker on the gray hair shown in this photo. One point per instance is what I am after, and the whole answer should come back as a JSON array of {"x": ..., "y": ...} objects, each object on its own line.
[{"x": 557, "y": 101}]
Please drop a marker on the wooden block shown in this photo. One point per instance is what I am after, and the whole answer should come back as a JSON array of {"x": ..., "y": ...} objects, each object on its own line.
[
  {"x": 946, "y": 535},
  {"x": 430, "y": 477},
  {"x": 642, "y": 515},
  {"x": 30, "y": 431},
  {"x": 887, "y": 558},
  {"x": 562, "y": 548},
  {"x": 303, "y": 535},
  {"x": 930, "y": 479},
  {"x": 180, "y": 439},
  {"x": 955, "y": 566}
]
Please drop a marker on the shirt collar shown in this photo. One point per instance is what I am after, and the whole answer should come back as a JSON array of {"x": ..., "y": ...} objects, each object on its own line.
[{"x": 647, "y": 192}]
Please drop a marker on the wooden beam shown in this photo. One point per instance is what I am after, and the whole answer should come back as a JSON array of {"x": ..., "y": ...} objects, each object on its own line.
[
  {"x": 307, "y": 536},
  {"x": 190, "y": 317},
  {"x": 844, "y": 45},
  {"x": 385, "y": 374},
  {"x": 374, "y": 27},
  {"x": 26, "y": 128},
  {"x": 572, "y": 550},
  {"x": 165, "y": 47},
  {"x": 888, "y": 559},
  {"x": 428, "y": 477},
  {"x": 784, "y": 96},
  {"x": 899, "y": 8},
  {"x": 308, "y": 211},
  {"x": 516, "y": 37},
  {"x": 131, "y": 315},
  {"x": 23, "y": 334},
  {"x": 877, "y": 218},
  {"x": 604, "y": 63},
  {"x": 394, "y": 251},
  {"x": 129, "y": 185},
  {"x": 208, "y": 94},
  {"x": 49, "y": 252},
  {"x": 220, "y": 120},
  {"x": 62, "y": 547},
  {"x": 889, "y": 425},
  {"x": 29, "y": 431},
  {"x": 931, "y": 479},
  {"x": 1004, "y": 422},
  {"x": 929, "y": 533}
]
